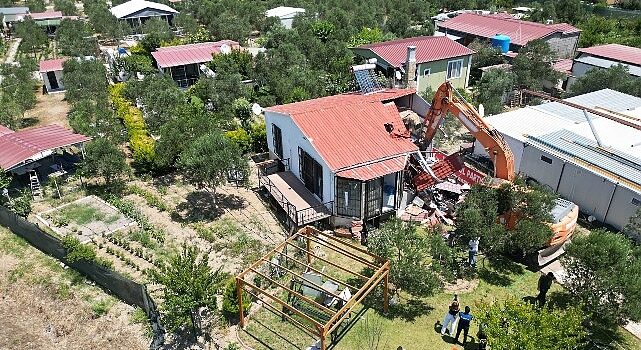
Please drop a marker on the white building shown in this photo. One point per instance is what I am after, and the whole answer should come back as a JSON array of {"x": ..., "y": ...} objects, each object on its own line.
[
  {"x": 554, "y": 144},
  {"x": 137, "y": 12},
  {"x": 285, "y": 14},
  {"x": 340, "y": 156}
]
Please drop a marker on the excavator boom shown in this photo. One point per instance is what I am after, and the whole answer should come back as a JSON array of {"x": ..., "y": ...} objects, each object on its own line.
[{"x": 447, "y": 99}]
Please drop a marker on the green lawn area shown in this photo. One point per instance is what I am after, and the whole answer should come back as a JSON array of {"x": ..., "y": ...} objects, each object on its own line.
[
  {"x": 412, "y": 324},
  {"x": 82, "y": 214}
]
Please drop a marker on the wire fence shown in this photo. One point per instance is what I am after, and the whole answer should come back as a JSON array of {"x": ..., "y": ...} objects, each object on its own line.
[{"x": 128, "y": 291}]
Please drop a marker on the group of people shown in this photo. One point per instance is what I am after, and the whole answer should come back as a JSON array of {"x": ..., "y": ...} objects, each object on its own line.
[{"x": 457, "y": 318}]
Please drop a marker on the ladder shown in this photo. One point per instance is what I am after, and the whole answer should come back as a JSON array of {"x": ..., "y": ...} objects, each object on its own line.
[{"x": 35, "y": 184}]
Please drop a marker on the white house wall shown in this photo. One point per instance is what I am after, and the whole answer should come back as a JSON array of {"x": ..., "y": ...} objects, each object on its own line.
[
  {"x": 516, "y": 146},
  {"x": 292, "y": 139},
  {"x": 47, "y": 84},
  {"x": 622, "y": 206}
]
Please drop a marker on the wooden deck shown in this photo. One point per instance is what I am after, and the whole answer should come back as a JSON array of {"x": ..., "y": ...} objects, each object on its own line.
[{"x": 297, "y": 201}]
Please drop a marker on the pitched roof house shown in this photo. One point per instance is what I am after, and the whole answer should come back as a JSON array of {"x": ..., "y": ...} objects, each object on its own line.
[
  {"x": 51, "y": 73},
  {"x": 184, "y": 62},
  {"x": 562, "y": 37},
  {"x": 340, "y": 156},
  {"x": 137, "y": 12},
  {"x": 285, "y": 14},
  {"x": 606, "y": 56},
  {"x": 437, "y": 58}
]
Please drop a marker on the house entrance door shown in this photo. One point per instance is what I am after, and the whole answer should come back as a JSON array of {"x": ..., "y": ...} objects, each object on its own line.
[{"x": 53, "y": 82}]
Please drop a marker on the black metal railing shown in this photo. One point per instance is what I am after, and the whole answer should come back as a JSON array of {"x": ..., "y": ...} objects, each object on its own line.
[
  {"x": 313, "y": 213},
  {"x": 272, "y": 167}
]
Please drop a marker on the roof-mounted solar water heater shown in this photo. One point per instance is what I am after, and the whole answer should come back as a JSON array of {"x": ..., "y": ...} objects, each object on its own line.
[{"x": 366, "y": 78}]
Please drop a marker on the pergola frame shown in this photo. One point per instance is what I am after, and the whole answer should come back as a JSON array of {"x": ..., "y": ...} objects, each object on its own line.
[{"x": 314, "y": 328}]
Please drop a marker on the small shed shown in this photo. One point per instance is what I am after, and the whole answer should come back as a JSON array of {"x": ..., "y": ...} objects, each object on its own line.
[
  {"x": 285, "y": 14},
  {"x": 11, "y": 15},
  {"x": 51, "y": 72},
  {"x": 137, "y": 12}
]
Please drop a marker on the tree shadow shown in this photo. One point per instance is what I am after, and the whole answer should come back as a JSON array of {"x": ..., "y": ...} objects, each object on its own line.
[
  {"x": 165, "y": 179},
  {"x": 200, "y": 206},
  {"x": 494, "y": 278},
  {"x": 409, "y": 310},
  {"x": 28, "y": 122},
  {"x": 498, "y": 271}
]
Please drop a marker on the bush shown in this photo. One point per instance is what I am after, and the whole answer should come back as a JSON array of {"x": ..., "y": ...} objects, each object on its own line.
[
  {"x": 77, "y": 251},
  {"x": 241, "y": 138},
  {"x": 230, "y": 301},
  {"x": 141, "y": 143},
  {"x": 258, "y": 135}
]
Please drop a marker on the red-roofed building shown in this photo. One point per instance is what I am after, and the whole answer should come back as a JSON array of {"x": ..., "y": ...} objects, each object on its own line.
[
  {"x": 562, "y": 37},
  {"x": 349, "y": 151},
  {"x": 184, "y": 62},
  {"x": 437, "y": 57},
  {"x": 51, "y": 72},
  {"x": 604, "y": 57}
]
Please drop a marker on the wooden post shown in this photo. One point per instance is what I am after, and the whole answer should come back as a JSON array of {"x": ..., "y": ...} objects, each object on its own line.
[
  {"x": 386, "y": 291},
  {"x": 323, "y": 339},
  {"x": 309, "y": 247},
  {"x": 239, "y": 294}
]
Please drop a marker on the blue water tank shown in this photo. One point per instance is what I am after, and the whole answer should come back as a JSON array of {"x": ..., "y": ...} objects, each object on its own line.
[
  {"x": 502, "y": 42},
  {"x": 122, "y": 50}
]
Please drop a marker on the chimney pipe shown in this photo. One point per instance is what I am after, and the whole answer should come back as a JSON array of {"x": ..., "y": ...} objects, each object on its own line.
[{"x": 410, "y": 69}]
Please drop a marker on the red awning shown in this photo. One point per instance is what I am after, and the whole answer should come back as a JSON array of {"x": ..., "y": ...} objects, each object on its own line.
[
  {"x": 23, "y": 145},
  {"x": 375, "y": 170}
]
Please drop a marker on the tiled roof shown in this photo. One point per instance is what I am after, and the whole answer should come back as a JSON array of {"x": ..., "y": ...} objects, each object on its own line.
[
  {"x": 131, "y": 7},
  {"x": 46, "y": 15},
  {"x": 171, "y": 56},
  {"x": 348, "y": 130},
  {"x": 615, "y": 52},
  {"x": 520, "y": 32},
  {"x": 428, "y": 49},
  {"x": 22, "y": 145},
  {"x": 51, "y": 65},
  {"x": 563, "y": 66}
]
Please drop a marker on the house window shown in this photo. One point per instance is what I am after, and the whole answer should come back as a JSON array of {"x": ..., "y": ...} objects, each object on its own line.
[
  {"x": 278, "y": 141},
  {"x": 348, "y": 197},
  {"x": 374, "y": 198},
  {"x": 426, "y": 72},
  {"x": 311, "y": 173},
  {"x": 546, "y": 159},
  {"x": 454, "y": 69}
]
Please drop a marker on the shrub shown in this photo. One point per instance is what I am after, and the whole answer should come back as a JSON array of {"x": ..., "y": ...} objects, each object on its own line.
[
  {"x": 230, "y": 301},
  {"x": 141, "y": 143},
  {"x": 258, "y": 135},
  {"x": 77, "y": 251},
  {"x": 241, "y": 138}
]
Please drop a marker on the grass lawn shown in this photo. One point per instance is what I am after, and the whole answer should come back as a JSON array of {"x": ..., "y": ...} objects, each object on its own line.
[
  {"x": 82, "y": 214},
  {"x": 411, "y": 324}
]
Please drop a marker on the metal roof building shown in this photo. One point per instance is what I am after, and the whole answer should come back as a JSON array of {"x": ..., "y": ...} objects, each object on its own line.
[
  {"x": 554, "y": 144},
  {"x": 141, "y": 8}
]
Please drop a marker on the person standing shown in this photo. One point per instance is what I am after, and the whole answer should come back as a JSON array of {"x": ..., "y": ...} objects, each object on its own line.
[
  {"x": 473, "y": 250},
  {"x": 545, "y": 283},
  {"x": 464, "y": 319},
  {"x": 450, "y": 316}
]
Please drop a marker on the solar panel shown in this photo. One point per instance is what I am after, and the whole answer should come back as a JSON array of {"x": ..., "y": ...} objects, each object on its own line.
[{"x": 366, "y": 80}]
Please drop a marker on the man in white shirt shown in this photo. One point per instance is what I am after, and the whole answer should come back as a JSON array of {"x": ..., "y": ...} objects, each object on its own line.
[{"x": 473, "y": 250}]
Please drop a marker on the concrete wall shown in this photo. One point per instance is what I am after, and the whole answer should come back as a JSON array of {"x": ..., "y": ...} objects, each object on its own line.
[
  {"x": 563, "y": 44},
  {"x": 47, "y": 84},
  {"x": 438, "y": 74},
  {"x": 292, "y": 139},
  {"x": 605, "y": 199}
]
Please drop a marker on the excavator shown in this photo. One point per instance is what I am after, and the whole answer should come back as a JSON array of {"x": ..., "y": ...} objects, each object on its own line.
[{"x": 448, "y": 100}]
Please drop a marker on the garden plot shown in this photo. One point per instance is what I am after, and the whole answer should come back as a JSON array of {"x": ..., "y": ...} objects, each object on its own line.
[{"x": 86, "y": 217}]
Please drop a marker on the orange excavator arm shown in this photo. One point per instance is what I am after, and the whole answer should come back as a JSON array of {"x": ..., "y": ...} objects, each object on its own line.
[{"x": 447, "y": 99}]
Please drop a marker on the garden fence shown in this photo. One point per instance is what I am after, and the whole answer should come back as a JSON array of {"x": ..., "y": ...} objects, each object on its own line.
[{"x": 128, "y": 291}]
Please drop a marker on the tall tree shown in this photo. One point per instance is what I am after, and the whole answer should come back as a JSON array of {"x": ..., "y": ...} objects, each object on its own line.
[
  {"x": 85, "y": 80},
  {"x": 633, "y": 228},
  {"x": 156, "y": 32},
  {"x": 159, "y": 96},
  {"x": 485, "y": 55},
  {"x": 188, "y": 284},
  {"x": 33, "y": 36},
  {"x": 616, "y": 77},
  {"x": 75, "y": 39},
  {"x": 533, "y": 65},
  {"x": 514, "y": 324},
  {"x": 67, "y": 7},
  {"x": 602, "y": 274},
  {"x": 211, "y": 159},
  {"x": 408, "y": 251},
  {"x": 492, "y": 87},
  {"x": 103, "y": 159}
]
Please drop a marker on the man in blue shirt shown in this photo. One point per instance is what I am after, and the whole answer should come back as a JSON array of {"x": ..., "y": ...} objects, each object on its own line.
[{"x": 464, "y": 324}]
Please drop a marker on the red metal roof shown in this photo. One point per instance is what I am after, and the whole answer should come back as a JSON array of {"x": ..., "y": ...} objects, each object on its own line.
[
  {"x": 348, "y": 130},
  {"x": 563, "y": 66},
  {"x": 442, "y": 169},
  {"x": 615, "y": 52},
  {"x": 375, "y": 170},
  {"x": 19, "y": 146},
  {"x": 51, "y": 65},
  {"x": 520, "y": 32},
  {"x": 172, "y": 56},
  {"x": 428, "y": 49},
  {"x": 45, "y": 15}
]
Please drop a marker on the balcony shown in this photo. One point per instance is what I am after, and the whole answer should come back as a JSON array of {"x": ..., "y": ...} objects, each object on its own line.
[{"x": 300, "y": 205}]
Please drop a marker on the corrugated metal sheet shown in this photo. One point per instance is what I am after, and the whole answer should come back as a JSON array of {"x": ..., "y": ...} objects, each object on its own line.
[
  {"x": 172, "y": 56},
  {"x": 428, "y": 49},
  {"x": 609, "y": 99},
  {"x": 349, "y": 129},
  {"x": 14, "y": 10},
  {"x": 284, "y": 11},
  {"x": 133, "y": 6},
  {"x": 617, "y": 52},
  {"x": 46, "y": 15},
  {"x": 520, "y": 32},
  {"x": 19, "y": 146},
  {"x": 607, "y": 63},
  {"x": 375, "y": 170},
  {"x": 574, "y": 147},
  {"x": 52, "y": 65}
]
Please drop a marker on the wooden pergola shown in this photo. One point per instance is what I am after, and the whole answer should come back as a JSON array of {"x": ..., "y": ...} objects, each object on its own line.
[{"x": 282, "y": 263}]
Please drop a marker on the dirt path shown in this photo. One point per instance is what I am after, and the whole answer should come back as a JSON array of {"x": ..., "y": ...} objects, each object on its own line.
[
  {"x": 12, "y": 51},
  {"x": 49, "y": 109}
]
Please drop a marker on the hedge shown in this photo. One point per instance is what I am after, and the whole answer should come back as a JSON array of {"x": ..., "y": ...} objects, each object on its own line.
[{"x": 142, "y": 145}]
